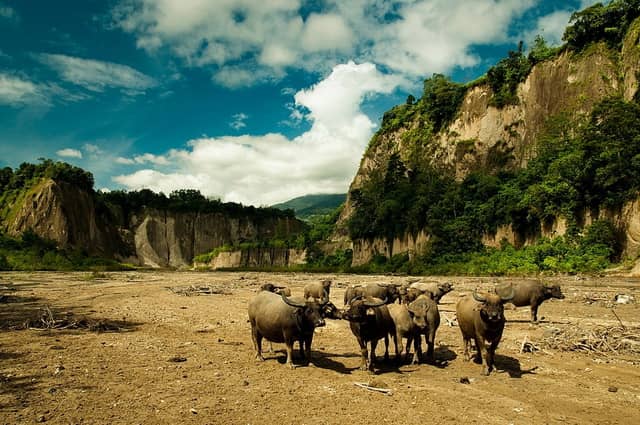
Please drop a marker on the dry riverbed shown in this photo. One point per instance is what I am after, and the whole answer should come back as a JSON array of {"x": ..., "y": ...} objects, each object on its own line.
[{"x": 133, "y": 348}]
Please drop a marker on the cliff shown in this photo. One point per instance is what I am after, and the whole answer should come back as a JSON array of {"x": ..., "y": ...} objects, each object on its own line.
[
  {"x": 490, "y": 139},
  {"x": 71, "y": 217},
  {"x": 67, "y": 215}
]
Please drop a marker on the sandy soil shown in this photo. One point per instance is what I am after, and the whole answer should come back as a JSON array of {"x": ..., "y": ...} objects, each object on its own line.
[{"x": 125, "y": 370}]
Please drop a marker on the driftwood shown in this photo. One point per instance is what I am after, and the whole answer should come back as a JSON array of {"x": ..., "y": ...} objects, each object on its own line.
[
  {"x": 366, "y": 386},
  {"x": 47, "y": 321},
  {"x": 601, "y": 340},
  {"x": 199, "y": 290}
]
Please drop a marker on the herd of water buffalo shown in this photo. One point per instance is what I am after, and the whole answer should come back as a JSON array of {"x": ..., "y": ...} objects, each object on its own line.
[{"x": 373, "y": 315}]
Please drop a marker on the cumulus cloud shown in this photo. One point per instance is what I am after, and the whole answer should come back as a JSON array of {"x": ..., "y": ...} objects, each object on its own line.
[
  {"x": 69, "y": 153},
  {"x": 271, "y": 168},
  {"x": 97, "y": 76},
  {"x": 245, "y": 42}
]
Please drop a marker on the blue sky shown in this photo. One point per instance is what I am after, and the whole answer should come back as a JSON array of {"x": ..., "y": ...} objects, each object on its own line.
[{"x": 253, "y": 102}]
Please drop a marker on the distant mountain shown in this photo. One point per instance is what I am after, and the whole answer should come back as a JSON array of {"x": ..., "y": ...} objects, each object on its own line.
[{"x": 310, "y": 205}]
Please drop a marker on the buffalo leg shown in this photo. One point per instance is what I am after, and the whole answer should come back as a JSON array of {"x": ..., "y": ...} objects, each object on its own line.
[
  {"x": 307, "y": 349},
  {"x": 372, "y": 354},
  {"x": 289, "y": 345},
  {"x": 534, "y": 313},
  {"x": 490, "y": 357},
  {"x": 364, "y": 354},
  {"x": 257, "y": 343},
  {"x": 481, "y": 349},
  {"x": 397, "y": 342},
  {"x": 466, "y": 342},
  {"x": 417, "y": 345},
  {"x": 408, "y": 346},
  {"x": 431, "y": 341}
]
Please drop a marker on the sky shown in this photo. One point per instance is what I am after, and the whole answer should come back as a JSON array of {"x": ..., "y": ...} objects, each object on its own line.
[{"x": 247, "y": 101}]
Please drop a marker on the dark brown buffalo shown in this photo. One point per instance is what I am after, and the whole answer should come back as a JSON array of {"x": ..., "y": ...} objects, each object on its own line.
[
  {"x": 533, "y": 293},
  {"x": 376, "y": 290},
  {"x": 278, "y": 318},
  {"x": 370, "y": 321},
  {"x": 481, "y": 318}
]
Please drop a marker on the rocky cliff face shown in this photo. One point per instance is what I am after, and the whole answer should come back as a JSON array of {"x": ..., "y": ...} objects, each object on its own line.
[
  {"x": 63, "y": 213},
  {"x": 257, "y": 257},
  {"x": 67, "y": 215},
  {"x": 571, "y": 84},
  {"x": 166, "y": 238}
]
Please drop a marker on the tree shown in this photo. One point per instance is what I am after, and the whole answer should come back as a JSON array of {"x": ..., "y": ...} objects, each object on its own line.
[{"x": 441, "y": 99}]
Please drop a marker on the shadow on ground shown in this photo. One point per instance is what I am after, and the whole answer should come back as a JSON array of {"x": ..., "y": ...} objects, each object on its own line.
[{"x": 511, "y": 365}]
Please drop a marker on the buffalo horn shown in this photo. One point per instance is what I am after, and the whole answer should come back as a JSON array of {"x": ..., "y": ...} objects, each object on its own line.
[
  {"x": 375, "y": 304},
  {"x": 291, "y": 302},
  {"x": 478, "y": 297}
]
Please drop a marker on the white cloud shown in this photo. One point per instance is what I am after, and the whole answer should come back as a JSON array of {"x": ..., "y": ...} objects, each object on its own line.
[
  {"x": 153, "y": 159},
  {"x": 326, "y": 32},
  {"x": 96, "y": 75},
  {"x": 271, "y": 168},
  {"x": 238, "y": 121},
  {"x": 125, "y": 161},
  {"x": 69, "y": 153},
  {"x": 16, "y": 91},
  {"x": 19, "y": 91},
  {"x": 244, "y": 42}
]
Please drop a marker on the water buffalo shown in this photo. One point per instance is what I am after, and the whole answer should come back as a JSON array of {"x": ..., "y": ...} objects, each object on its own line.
[
  {"x": 481, "y": 318},
  {"x": 370, "y": 321},
  {"x": 437, "y": 289},
  {"x": 374, "y": 290},
  {"x": 533, "y": 293},
  {"x": 270, "y": 287},
  {"x": 411, "y": 321},
  {"x": 317, "y": 290},
  {"x": 279, "y": 318}
]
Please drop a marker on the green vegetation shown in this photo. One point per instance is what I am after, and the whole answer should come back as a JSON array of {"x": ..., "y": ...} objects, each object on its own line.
[
  {"x": 441, "y": 99},
  {"x": 184, "y": 200},
  {"x": 578, "y": 167},
  {"x": 309, "y": 206},
  {"x": 30, "y": 252},
  {"x": 608, "y": 23}
]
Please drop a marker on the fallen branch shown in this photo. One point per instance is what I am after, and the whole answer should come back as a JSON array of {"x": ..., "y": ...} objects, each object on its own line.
[
  {"x": 199, "y": 290},
  {"x": 386, "y": 391},
  {"x": 616, "y": 314}
]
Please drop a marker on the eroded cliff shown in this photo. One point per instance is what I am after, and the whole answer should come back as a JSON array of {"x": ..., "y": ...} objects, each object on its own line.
[
  {"x": 485, "y": 138},
  {"x": 71, "y": 217}
]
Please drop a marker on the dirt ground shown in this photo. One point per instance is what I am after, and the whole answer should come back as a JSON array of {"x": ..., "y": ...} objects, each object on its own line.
[{"x": 145, "y": 354}]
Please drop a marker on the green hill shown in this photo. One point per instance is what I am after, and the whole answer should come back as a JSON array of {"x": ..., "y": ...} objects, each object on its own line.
[{"x": 309, "y": 205}]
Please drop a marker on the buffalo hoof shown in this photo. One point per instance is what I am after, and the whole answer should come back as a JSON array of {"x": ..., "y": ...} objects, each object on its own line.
[
  {"x": 260, "y": 358},
  {"x": 292, "y": 366},
  {"x": 486, "y": 371}
]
